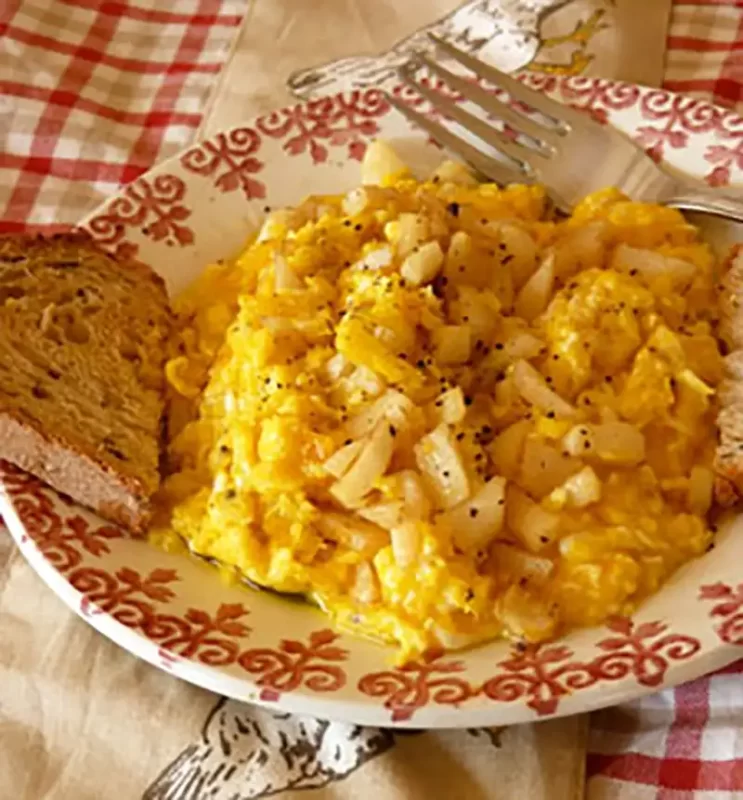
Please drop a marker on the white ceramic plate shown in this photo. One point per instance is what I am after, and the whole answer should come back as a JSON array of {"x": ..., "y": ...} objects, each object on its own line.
[{"x": 176, "y": 613}]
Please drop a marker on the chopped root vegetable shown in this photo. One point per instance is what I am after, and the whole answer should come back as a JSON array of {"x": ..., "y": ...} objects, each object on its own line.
[
  {"x": 371, "y": 464},
  {"x": 411, "y": 232},
  {"x": 534, "y": 526},
  {"x": 438, "y": 459},
  {"x": 355, "y": 534},
  {"x": 520, "y": 253},
  {"x": 284, "y": 277},
  {"x": 652, "y": 265},
  {"x": 380, "y": 163},
  {"x": 525, "y": 615},
  {"x": 579, "y": 491},
  {"x": 450, "y": 407},
  {"x": 417, "y": 504},
  {"x": 534, "y": 389},
  {"x": 340, "y": 462},
  {"x": 386, "y": 515},
  {"x": 507, "y": 448},
  {"x": 532, "y": 300},
  {"x": 701, "y": 486},
  {"x": 366, "y": 585},
  {"x": 376, "y": 259},
  {"x": 406, "y": 543},
  {"x": 543, "y": 467},
  {"x": 423, "y": 264},
  {"x": 454, "y": 172},
  {"x": 613, "y": 442},
  {"x": 452, "y": 344},
  {"x": 392, "y": 406},
  {"x": 512, "y": 562},
  {"x": 475, "y": 522}
]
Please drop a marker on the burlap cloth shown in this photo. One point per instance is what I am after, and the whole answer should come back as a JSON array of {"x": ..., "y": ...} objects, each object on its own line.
[{"x": 81, "y": 719}]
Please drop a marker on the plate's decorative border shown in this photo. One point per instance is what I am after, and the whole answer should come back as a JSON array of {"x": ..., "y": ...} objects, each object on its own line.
[
  {"x": 538, "y": 675},
  {"x": 344, "y": 124}
]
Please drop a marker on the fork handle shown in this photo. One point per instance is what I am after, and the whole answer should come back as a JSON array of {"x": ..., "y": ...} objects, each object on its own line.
[{"x": 707, "y": 201}]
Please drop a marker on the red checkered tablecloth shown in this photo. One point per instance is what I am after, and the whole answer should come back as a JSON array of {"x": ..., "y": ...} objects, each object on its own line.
[{"x": 93, "y": 92}]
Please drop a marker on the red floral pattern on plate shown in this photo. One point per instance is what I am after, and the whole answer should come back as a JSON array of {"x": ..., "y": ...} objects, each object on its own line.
[
  {"x": 413, "y": 685},
  {"x": 539, "y": 674},
  {"x": 229, "y": 158},
  {"x": 154, "y": 206},
  {"x": 347, "y": 120},
  {"x": 294, "y": 664},
  {"x": 728, "y": 607}
]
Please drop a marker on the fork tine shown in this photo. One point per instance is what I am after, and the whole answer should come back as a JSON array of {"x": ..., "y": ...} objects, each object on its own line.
[
  {"x": 488, "y": 167},
  {"x": 476, "y": 94},
  {"x": 561, "y": 116},
  {"x": 483, "y": 130}
]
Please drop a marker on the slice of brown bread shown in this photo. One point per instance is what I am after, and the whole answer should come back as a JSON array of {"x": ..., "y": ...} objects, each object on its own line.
[
  {"x": 729, "y": 455},
  {"x": 82, "y": 348}
]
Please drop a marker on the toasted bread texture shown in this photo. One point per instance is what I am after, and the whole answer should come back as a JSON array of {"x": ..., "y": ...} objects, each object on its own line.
[
  {"x": 729, "y": 455},
  {"x": 82, "y": 348}
]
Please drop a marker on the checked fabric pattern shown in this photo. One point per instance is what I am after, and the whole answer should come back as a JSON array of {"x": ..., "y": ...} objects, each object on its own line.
[{"x": 93, "y": 92}]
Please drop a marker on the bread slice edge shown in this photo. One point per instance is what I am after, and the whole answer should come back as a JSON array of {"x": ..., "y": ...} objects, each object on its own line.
[
  {"x": 66, "y": 469},
  {"x": 729, "y": 453}
]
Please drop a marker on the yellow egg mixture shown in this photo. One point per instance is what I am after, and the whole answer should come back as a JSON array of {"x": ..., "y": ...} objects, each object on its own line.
[{"x": 444, "y": 414}]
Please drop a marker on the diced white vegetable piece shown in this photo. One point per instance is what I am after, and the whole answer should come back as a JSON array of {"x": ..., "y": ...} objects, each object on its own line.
[
  {"x": 613, "y": 442},
  {"x": 356, "y": 201},
  {"x": 536, "y": 293},
  {"x": 512, "y": 561},
  {"x": 579, "y": 491},
  {"x": 365, "y": 380},
  {"x": 584, "y": 247},
  {"x": 337, "y": 366},
  {"x": 412, "y": 231},
  {"x": 284, "y": 277},
  {"x": 534, "y": 389},
  {"x": 417, "y": 504},
  {"x": 340, "y": 462},
  {"x": 379, "y": 163},
  {"x": 701, "y": 486},
  {"x": 423, "y": 264},
  {"x": 454, "y": 172},
  {"x": 355, "y": 534},
  {"x": 366, "y": 585},
  {"x": 375, "y": 259},
  {"x": 475, "y": 522},
  {"x": 452, "y": 344},
  {"x": 651, "y": 264},
  {"x": 523, "y": 345},
  {"x": 526, "y": 616},
  {"x": 277, "y": 223},
  {"x": 460, "y": 247},
  {"x": 543, "y": 467},
  {"x": 534, "y": 526},
  {"x": 507, "y": 448},
  {"x": 392, "y": 405},
  {"x": 438, "y": 459},
  {"x": 478, "y": 309},
  {"x": 519, "y": 254},
  {"x": 371, "y": 464},
  {"x": 450, "y": 406},
  {"x": 386, "y": 515},
  {"x": 406, "y": 543}
]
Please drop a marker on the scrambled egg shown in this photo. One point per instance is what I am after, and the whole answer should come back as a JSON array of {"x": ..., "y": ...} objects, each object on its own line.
[{"x": 446, "y": 415}]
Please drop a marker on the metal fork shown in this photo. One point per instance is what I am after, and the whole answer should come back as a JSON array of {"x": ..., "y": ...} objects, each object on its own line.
[{"x": 555, "y": 145}]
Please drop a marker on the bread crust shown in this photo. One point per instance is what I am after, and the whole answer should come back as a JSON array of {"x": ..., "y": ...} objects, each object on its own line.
[
  {"x": 121, "y": 498},
  {"x": 729, "y": 453}
]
